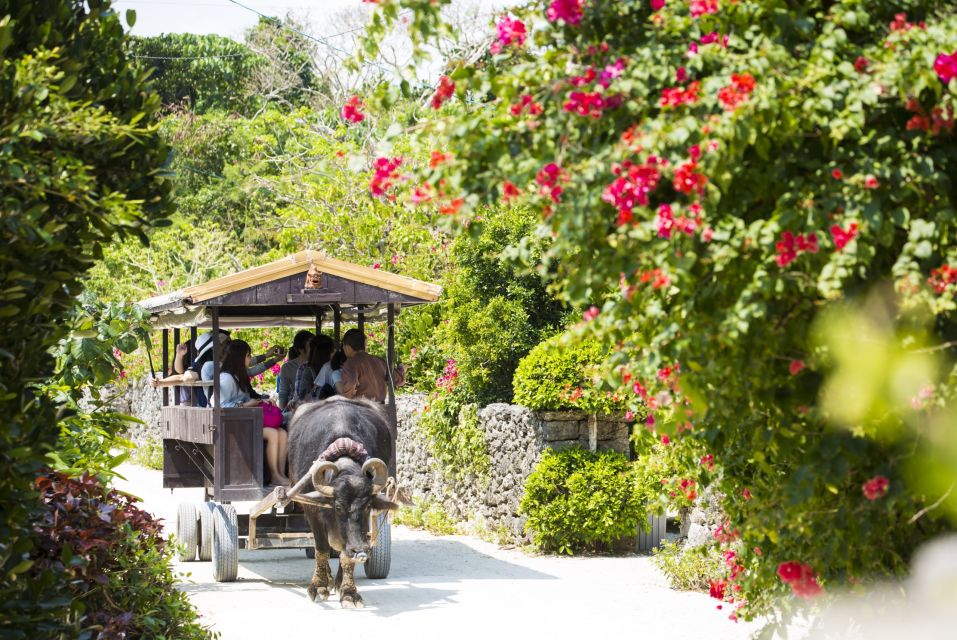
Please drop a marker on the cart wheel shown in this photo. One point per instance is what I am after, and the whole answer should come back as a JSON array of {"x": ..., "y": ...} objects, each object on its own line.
[
  {"x": 377, "y": 566},
  {"x": 187, "y": 531},
  {"x": 311, "y": 553},
  {"x": 225, "y": 543},
  {"x": 205, "y": 510}
]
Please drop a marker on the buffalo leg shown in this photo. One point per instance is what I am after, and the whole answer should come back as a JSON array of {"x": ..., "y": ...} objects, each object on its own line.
[
  {"x": 349, "y": 596},
  {"x": 322, "y": 576}
]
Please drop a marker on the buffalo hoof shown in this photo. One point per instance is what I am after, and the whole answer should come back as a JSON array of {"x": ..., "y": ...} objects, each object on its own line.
[
  {"x": 322, "y": 593},
  {"x": 351, "y": 601}
]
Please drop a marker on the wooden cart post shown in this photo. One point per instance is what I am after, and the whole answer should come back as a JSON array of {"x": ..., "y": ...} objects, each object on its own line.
[
  {"x": 175, "y": 344},
  {"x": 165, "y": 365}
]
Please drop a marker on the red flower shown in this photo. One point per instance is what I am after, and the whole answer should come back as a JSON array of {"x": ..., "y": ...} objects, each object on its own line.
[
  {"x": 871, "y": 182},
  {"x": 588, "y": 104},
  {"x": 657, "y": 5},
  {"x": 842, "y": 237},
  {"x": 591, "y": 313},
  {"x": 509, "y": 191},
  {"x": 801, "y": 578},
  {"x": 632, "y": 186},
  {"x": 570, "y": 11},
  {"x": 861, "y": 64},
  {"x": 351, "y": 110},
  {"x": 747, "y": 495},
  {"x": 737, "y": 92},
  {"x": 717, "y": 589},
  {"x": 452, "y": 207},
  {"x": 421, "y": 194},
  {"x": 796, "y": 367},
  {"x": 444, "y": 91},
  {"x": 681, "y": 75},
  {"x": 807, "y": 243},
  {"x": 549, "y": 177},
  {"x": 702, "y": 7},
  {"x": 510, "y": 31},
  {"x": 665, "y": 440},
  {"x": 837, "y": 174},
  {"x": 708, "y": 462},
  {"x": 526, "y": 103},
  {"x": 876, "y": 487},
  {"x": 946, "y": 67},
  {"x": 941, "y": 277},
  {"x": 677, "y": 96},
  {"x": 386, "y": 173},
  {"x": 687, "y": 180},
  {"x": 666, "y": 221},
  {"x": 439, "y": 158}
]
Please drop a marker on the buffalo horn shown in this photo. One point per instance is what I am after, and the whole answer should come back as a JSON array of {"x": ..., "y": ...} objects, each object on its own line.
[
  {"x": 319, "y": 478},
  {"x": 379, "y": 472}
]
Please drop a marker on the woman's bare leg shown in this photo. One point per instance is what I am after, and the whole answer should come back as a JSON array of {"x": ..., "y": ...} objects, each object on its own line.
[
  {"x": 272, "y": 454},
  {"x": 283, "y": 442}
]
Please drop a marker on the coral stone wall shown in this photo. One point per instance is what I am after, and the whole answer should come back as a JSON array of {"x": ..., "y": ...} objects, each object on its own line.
[{"x": 516, "y": 438}]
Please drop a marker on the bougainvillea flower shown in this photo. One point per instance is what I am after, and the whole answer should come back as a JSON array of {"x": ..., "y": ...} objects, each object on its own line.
[
  {"x": 586, "y": 104},
  {"x": 452, "y": 207},
  {"x": 837, "y": 174},
  {"x": 526, "y": 104},
  {"x": 796, "y": 367},
  {"x": 681, "y": 75},
  {"x": 549, "y": 178},
  {"x": 707, "y": 462},
  {"x": 861, "y": 64},
  {"x": 842, "y": 237},
  {"x": 871, "y": 182},
  {"x": 946, "y": 67},
  {"x": 941, "y": 277},
  {"x": 569, "y": 11},
  {"x": 801, "y": 578},
  {"x": 807, "y": 243},
  {"x": 657, "y": 5},
  {"x": 746, "y": 494},
  {"x": 716, "y": 589},
  {"x": 665, "y": 440},
  {"x": 509, "y": 191},
  {"x": 702, "y": 7},
  {"x": 875, "y": 488},
  {"x": 687, "y": 180},
  {"x": 677, "y": 96},
  {"x": 437, "y": 158},
  {"x": 444, "y": 91},
  {"x": 352, "y": 110},
  {"x": 386, "y": 174},
  {"x": 422, "y": 194},
  {"x": 591, "y": 313},
  {"x": 511, "y": 31}
]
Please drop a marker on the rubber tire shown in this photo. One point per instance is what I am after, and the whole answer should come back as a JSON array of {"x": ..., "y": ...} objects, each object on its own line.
[
  {"x": 206, "y": 510},
  {"x": 187, "y": 531},
  {"x": 380, "y": 559},
  {"x": 225, "y": 543},
  {"x": 311, "y": 553}
]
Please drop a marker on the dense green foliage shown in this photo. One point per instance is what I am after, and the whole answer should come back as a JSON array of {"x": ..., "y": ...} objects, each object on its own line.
[
  {"x": 564, "y": 373},
  {"x": 104, "y": 566},
  {"x": 79, "y": 165},
  {"x": 714, "y": 175},
  {"x": 578, "y": 500},
  {"x": 198, "y": 72},
  {"x": 688, "y": 569}
]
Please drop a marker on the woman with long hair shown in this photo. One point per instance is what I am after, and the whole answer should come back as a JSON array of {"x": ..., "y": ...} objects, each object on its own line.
[
  {"x": 235, "y": 390},
  {"x": 320, "y": 351}
]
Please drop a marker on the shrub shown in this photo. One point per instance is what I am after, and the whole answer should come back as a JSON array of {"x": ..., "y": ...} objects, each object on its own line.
[
  {"x": 450, "y": 426},
  {"x": 578, "y": 500},
  {"x": 688, "y": 569},
  {"x": 108, "y": 560},
  {"x": 427, "y": 515},
  {"x": 563, "y": 373}
]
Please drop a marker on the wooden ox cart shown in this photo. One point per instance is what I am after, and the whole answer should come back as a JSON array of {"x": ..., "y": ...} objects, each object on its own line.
[{"x": 221, "y": 449}]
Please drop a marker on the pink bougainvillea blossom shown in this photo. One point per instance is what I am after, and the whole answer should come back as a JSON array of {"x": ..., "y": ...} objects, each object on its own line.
[
  {"x": 588, "y": 104},
  {"x": 801, "y": 578},
  {"x": 861, "y": 64},
  {"x": 942, "y": 277},
  {"x": 871, "y": 182},
  {"x": 688, "y": 180},
  {"x": 511, "y": 31},
  {"x": 657, "y": 5},
  {"x": 900, "y": 23},
  {"x": 569, "y": 11},
  {"x": 665, "y": 440},
  {"x": 796, "y": 367},
  {"x": 677, "y": 96},
  {"x": 632, "y": 186},
  {"x": 841, "y": 236},
  {"x": 591, "y": 313},
  {"x": 386, "y": 174},
  {"x": 681, "y": 75},
  {"x": 352, "y": 110},
  {"x": 717, "y": 588},
  {"x": 790, "y": 246},
  {"x": 703, "y": 7},
  {"x": 875, "y": 488},
  {"x": 444, "y": 91},
  {"x": 422, "y": 194},
  {"x": 837, "y": 174},
  {"x": 549, "y": 179},
  {"x": 946, "y": 67},
  {"x": 746, "y": 494},
  {"x": 707, "y": 461},
  {"x": 656, "y": 277},
  {"x": 611, "y": 72}
]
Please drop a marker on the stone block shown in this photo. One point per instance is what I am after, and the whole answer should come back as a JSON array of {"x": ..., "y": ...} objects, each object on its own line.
[
  {"x": 550, "y": 416},
  {"x": 612, "y": 430},
  {"x": 561, "y": 430},
  {"x": 561, "y": 445},
  {"x": 613, "y": 445}
]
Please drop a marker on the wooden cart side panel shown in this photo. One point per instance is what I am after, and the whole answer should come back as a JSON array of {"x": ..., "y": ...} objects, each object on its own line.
[
  {"x": 189, "y": 424},
  {"x": 178, "y": 470},
  {"x": 238, "y": 444}
]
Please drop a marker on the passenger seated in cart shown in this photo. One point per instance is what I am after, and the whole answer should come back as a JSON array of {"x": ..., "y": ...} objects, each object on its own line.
[
  {"x": 320, "y": 352},
  {"x": 298, "y": 356},
  {"x": 365, "y": 375},
  {"x": 235, "y": 390},
  {"x": 330, "y": 375},
  {"x": 259, "y": 364}
]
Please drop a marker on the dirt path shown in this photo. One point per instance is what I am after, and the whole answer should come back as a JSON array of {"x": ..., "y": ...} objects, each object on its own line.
[{"x": 452, "y": 587}]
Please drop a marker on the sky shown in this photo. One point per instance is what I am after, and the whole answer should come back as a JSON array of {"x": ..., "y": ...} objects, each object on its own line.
[{"x": 227, "y": 18}]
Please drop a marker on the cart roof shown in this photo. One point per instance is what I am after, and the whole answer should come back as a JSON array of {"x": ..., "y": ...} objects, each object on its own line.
[{"x": 273, "y": 295}]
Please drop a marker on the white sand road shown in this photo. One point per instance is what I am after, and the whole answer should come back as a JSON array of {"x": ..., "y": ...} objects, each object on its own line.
[{"x": 443, "y": 587}]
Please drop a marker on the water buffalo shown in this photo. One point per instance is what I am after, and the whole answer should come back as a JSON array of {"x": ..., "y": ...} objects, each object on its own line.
[{"x": 352, "y": 438}]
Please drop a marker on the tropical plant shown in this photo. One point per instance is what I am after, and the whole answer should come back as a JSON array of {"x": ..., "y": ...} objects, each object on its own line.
[{"x": 715, "y": 174}]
